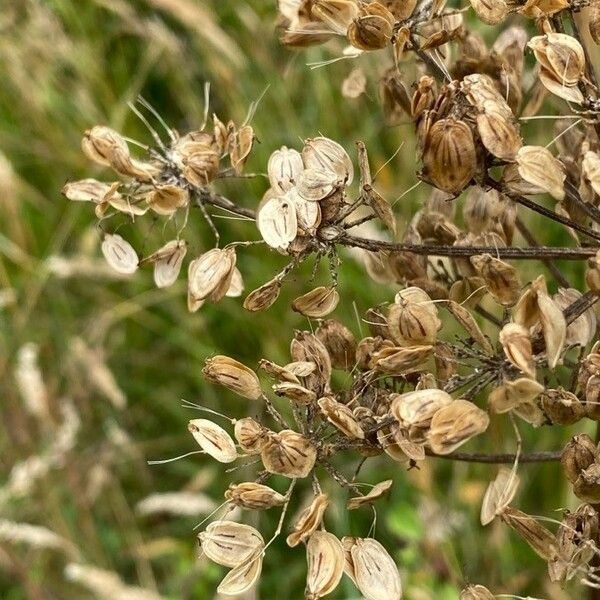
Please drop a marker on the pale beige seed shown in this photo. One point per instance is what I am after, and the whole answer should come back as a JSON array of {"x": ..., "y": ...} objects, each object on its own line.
[
  {"x": 295, "y": 392},
  {"x": 537, "y": 166},
  {"x": 209, "y": 275},
  {"x": 325, "y": 558},
  {"x": 516, "y": 343},
  {"x": 214, "y": 440},
  {"x": 167, "y": 262},
  {"x": 499, "y": 494},
  {"x": 263, "y": 297},
  {"x": 501, "y": 278},
  {"x": 101, "y": 143},
  {"x": 582, "y": 330},
  {"x": 119, "y": 254},
  {"x": 87, "y": 190},
  {"x": 308, "y": 521},
  {"x": 498, "y": 133},
  {"x": 250, "y": 435},
  {"x": 375, "y": 572},
  {"x": 468, "y": 322},
  {"x": 491, "y": 12},
  {"x": 254, "y": 496},
  {"x": 243, "y": 576},
  {"x": 301, "y": 368},
  {"x": 325, "y": 154},
  {"x": 378, "y": 491},
  {"x": 308, "y": 214},
  {"x": 417, "y": 408},
  {"x": 455, "y": 424},
  {"x": 316, "y": 184},
  {"x": 317, "y": 303},
  {"x": 413, "y": 323},
  {"x": 370, "y": 32},
  {"x": 381, "y": 207},
  {"x": 284, "y": 168},
  {"x": 233, "y": 375},
  {"x": 278, "y": 372},
  {"x": 228, "y": 543},
  {"x": 236, "y": 285},
  {"x": 288, "y": 453},
  {"x": 306, "y": 347},
  {"x": 277, "y": 222},
  {"x": 512, "y": 394},
  {"x": 241, "y": 143},
  {"x": 339, "y": 342},
  {"x": 400, "y": 361},
  {"x": 341, "y": 417},
  {"x": 167, "y": 199},
  {"x": 537, "y": 536}
]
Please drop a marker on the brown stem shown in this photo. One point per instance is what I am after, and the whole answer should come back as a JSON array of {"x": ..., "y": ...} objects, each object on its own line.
[
  {"x": 533, "y": 457},
  {"x": 580, "y": 305}
]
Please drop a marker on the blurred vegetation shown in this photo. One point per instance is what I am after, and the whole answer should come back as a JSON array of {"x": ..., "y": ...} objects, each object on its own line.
[{"x": 66, "y": 65}]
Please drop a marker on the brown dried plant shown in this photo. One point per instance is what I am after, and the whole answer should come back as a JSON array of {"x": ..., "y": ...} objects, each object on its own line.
[{"x": 413, "y": 387}]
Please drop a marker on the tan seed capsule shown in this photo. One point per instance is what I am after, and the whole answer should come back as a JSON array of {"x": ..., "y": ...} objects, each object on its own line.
[
  {"x": 166, "y": 199},
  {"x": 201, "y": 167},
  {"x": 476, "y": 592},
  {"x": 102, "y": 143},
  {"x": 400, "y": 361},
  {"x": 308, "y": 521},
  {"x": 578, "y": 455},
  {"x": 288, "y": 453},
  {"x": 277, "y": 222},
  {"x": 306, "y": 347},
  {"x": 417, "y": 408},
  {"x": 377, "y": 492},
  {"x": 254, "y": 496},
  {"x": 325, "y": 558},
  {"x": 413, "y": 323},
  {"x": 499, "y": 494},
  {"x": 466, "y": 319},
  {"x": 295, "y": 392},
  {"x": 511, "y": 394},
  {"x": 537, "y": 536},
  {"x": 232, "y": 374},
  {"x": 243, "y": 576},
  {"x": 209, "y": 275},
  {"x": 317, "y": 303},
  {"x": 540, "y": 171},
  {"x": 370, "y": 32},
  {"x": 341, "y": 417},
  {"x": 455, "y": 424},
  {"x": 587, "y": 485},
  {"x": 582, "y": 330},
  {"x": 263, "y": 297},
  {"x": 516, "y": 343},
  {"x": 119, "y": 254},
  {"x": 317, "y": 184},
  {"x": 323, "y": 154},
  {"x": 228, "y": 543},
  {"x": 375, "y": 572},
  {"x": 502, "y": 279},
  {"x": 562, "y": 407},
  {"x": 250, "y": 435},
  {"x": 240, "y": 147},
  {"x": 284, "y": 168},
  {"x": 214, "y": 440},
  {"x": 449, "y": 157},
  {"x": 491, "y": 12},
  {"x": 498, "y": 134},
  {"x": 167, "y": 262},
  {"x": 339, "y": 342}
]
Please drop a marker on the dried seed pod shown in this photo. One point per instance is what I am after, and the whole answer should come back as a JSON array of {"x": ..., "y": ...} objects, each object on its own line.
[
  {"x": 232, "y": 374},
  {"x": 306, "y": 347},
  {"x": 254, "y": 496},
  {"x": 250, "y": 435},
  {"x": 498, "y": 133},
  {"x": 401, "y": 9},
  {"x": 537, "y": 536},
  {"x": 308, "y": 521},
  {"x": 536, "y": 171},
  {"x": 355, "y": 84},
  {"x": 167, "y": 262},
  {"x": 263, "y": 297},
  {"x": 413, "y": 322},
  {"x": 449, "y": 156},
  {"x": 214, "y": 440},
  {"x": 381, "y": 207},
  {"x": 481, "y": 209},
  {"x": 562, "y": 61},
  {"x": 228, "y": 543},
  {"x": 579, "y": 453},
  {"x": 323, "y": 154},
  {"x": 373, "y": 570},
  {"x": 89, "y": 190},
  {"x": 587, "y": 485},
  {"x": 339, "y": 342},
  {"x": 499, "y": 494},
  {"x": 445, "y": 362},
  {"x": 166, "y": 199},
  {"x": 455, "y": 424},
  {"x": 400, "y": 361},
  {"x": 316, "y": 184},
  {"x": 301, "y": 368},
  {"x": 376, "y": 492},
  {"x": 288, "y": 453},
  {"x": 466, "y": 319},
  {"x": 512, "y": 394},
  {"x": 201, "y": 167},
  {"x": 240, "y": 146},
  {"x": 418, "y": 407},
  {"x": 317, "y": 303},
  {"x": 119, "y": 254},
  {"x": 341, "y": 417},
  {"x": 209, "y": 275},
  {"x": 243, "y": 576},
  {"x": 325, "y": 558},
  {"x": 295, "y": 392},
  {"x": 277, "y": 222},
  {"x": 562, "y": 407},
  {"x": 284, "y": 168},
  {"x": 502, "y": 279},
  {"x": 373, "y": 29},
  {"x": 308, "y": 214},
  {"x": 491, "y": 12},
  {"x": 100, "y": 144},
  {"x": 583, "y": 329},
  {"x": 575, "y": 543},
  {"x": 516, "y": 343},
  {"x": 592, "y": 273}
]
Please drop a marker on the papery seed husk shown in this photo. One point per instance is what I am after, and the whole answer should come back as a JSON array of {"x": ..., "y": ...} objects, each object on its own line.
[
  {"x": 336, "y": 14},
  {"x": 166, "y": 199},
  {"x": 413, "y": 323},
  {"x": 537, "y": 536},
  {"x": 516, "y": 343},
  {"x": 326, "y": 155},
  {"x": 213, "y": 439},
  {"x": 243, "y": 576},
  {"x": 316, "y": 184},
  {"x": 375, "y": 572},
  {"x": 400, "y": 361},
  {"x": 254, "y": 496},
  {"x": 418, "y": 407},
  {"x": 277, "y": 222},
  {"x": 233, "y": 375},
  {"x": 317, "y": 303},
  {"x": 250, "y": 435},
  {"x": 466, "y": 319},
  {"x": 295, "y": 392},
  {"x": 167, "y": 262},
  {"x": 511, "y": 394},
  {"x": 339, "y": 342},
  {"x": 308, "y": 521},
  {"x": 263, "y": 297},
  {"x": 289, "y": 453},
  {"x": 380, "y": 206},
  {"x": 582, "y": 330},
  {"x": 538, "y": 167},
  {"x": 101, "y": 142},
  {"x": 229, "y": 543},
  {"x": 561, "y": 406},
  {"x": 210, "y": 274},
  {"x": 501, "y": 278},
  {"x": 499, "y": 494},
  {"x": 308, "y": 214},
  {"x": 306, "y": 347},
  {"x": 579, "y": 453},
  {"x": 498, "y": 134},
  {"x": 455, "y": 424},
  {"x": 378, "y": 491},
  {"x": 341, "y": 417},
  {"x": 236, "y": 285},
  {"x": 120, "y": 254},
  {"x": 325, "y": 558}
]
